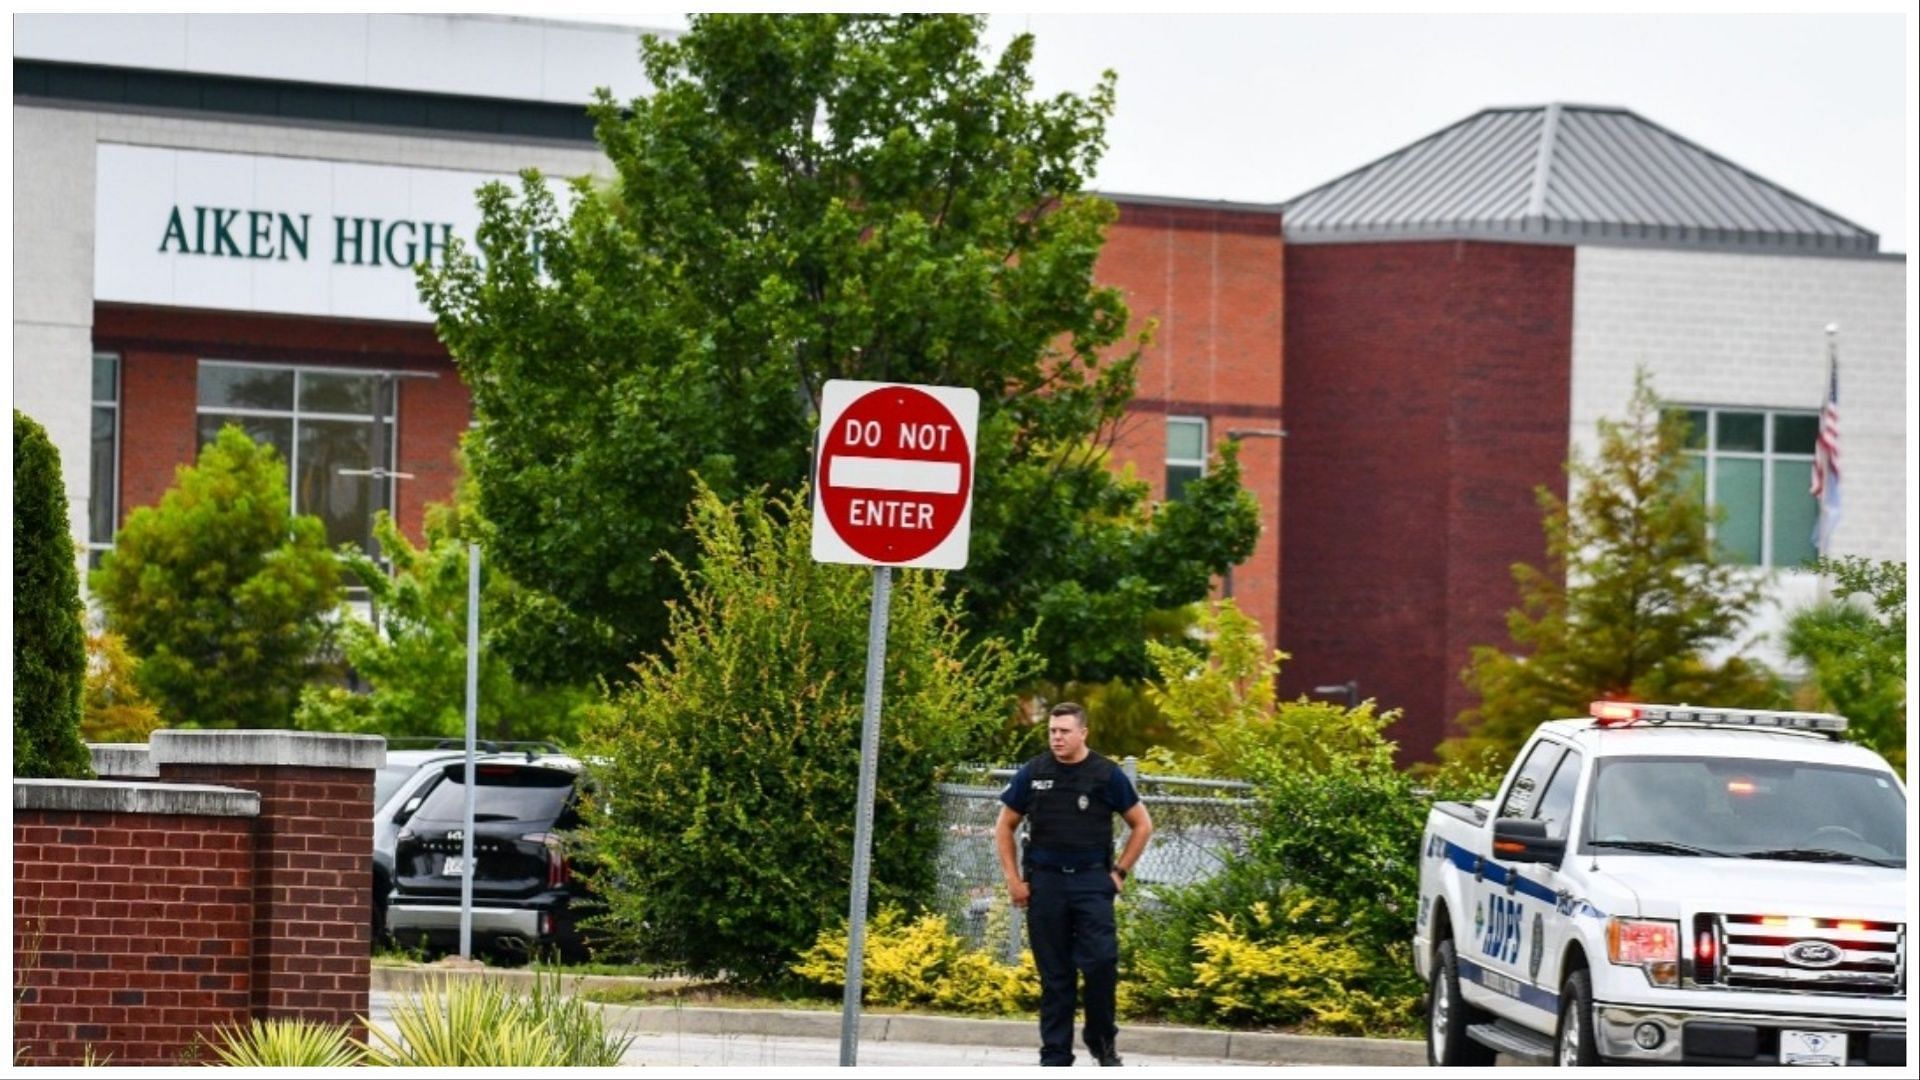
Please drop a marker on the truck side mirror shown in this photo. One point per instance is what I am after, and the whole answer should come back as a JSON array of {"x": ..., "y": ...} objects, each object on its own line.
[{"x": 1525, "y": 840}]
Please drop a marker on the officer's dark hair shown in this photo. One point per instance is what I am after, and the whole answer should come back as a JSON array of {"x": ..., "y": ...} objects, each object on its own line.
[{"x": 1068, "y": 708}]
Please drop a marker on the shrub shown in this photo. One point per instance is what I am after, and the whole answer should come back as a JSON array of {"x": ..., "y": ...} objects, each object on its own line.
[
  {"x": 725, "y": 825},
  {"x": 921, "y": 963},
  {"x": 1299, "y": 964},
  {"x": 115, "y": 711},
  {"x": 482, "y": 1022},
  {"x": 49, "y": 653},
  {"x": 222, "y": 593},
  {"x": 286, "y": 1043},
  {"x": 1856, "y": 651}
]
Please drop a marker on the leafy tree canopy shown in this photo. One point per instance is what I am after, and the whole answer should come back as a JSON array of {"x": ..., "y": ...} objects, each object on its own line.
[
  {"x": 805, "y": 198},
  {"x": 223, "y": 593},
  {"x": 1631, "y": 604},
  {"x": 413, "y": 652},
  {"x": 1856, "y": 651}
]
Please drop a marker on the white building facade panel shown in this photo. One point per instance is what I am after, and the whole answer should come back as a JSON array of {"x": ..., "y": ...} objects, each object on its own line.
[{"x": 1750, "y": 330}]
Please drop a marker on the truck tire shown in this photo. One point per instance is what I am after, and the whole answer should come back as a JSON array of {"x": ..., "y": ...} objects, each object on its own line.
[
  {"x": 1573, "y": 1043},
  {"x": 1449, "y": 1016}
]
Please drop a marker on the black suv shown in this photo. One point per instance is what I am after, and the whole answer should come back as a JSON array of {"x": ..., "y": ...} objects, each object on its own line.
[{"x": 526, "y": 898}]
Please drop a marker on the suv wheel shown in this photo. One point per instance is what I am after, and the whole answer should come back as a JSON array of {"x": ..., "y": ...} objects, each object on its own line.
[
  {"x": 1449, "y": 1016},
  {"x": 1574, "y": 1044}
]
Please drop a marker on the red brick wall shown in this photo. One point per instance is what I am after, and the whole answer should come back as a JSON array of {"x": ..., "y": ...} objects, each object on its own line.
[
  {"x": 161, "y": 349},
  {"x": 131, "y": 933},
  {"x": 1428, "y": 394},
  {"x": 312, "y": 879},
  {"x": 1212, "y": 278}
]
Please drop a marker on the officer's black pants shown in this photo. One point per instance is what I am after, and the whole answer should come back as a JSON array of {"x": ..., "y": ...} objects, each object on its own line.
[{"x": 1070, "y": 926}]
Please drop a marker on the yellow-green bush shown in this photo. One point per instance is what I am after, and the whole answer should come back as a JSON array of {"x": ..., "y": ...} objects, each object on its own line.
[
  {"x": 921, "y": 963},
  {"x": 1263, "y": 970}
]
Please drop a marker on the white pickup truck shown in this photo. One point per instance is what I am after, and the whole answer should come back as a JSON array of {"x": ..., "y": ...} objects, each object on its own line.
[{"x": 1663, "y": 884}]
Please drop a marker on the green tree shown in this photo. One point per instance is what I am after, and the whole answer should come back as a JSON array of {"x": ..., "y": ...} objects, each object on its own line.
[
  {"x": 1856, "y": 651},
  {"x": 1220, "y": 701},
  {"x": 724, "y": 820},
  {"x": 805, "y": 198},
  {"x": 49, "y": 643},
  {"x": 1630, "y": 604},
  {"x": 226, "y": 597},
  {"x": 413, "y": 651}
]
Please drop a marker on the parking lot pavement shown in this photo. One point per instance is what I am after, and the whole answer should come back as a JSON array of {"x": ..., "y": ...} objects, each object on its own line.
[
  {"x": 698, "y": 1037},
  {"x": 669, "y": 1049}
]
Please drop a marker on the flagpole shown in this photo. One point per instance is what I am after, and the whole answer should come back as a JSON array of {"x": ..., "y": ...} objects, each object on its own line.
[{"x": 1823, "y": 529}]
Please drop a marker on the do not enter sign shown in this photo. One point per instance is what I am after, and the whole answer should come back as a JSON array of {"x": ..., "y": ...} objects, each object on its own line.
[{"x": 893, "y": 480}]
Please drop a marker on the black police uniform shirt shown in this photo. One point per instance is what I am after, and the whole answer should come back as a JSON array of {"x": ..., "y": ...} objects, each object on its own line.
[{"x": 1063, "y": 785}]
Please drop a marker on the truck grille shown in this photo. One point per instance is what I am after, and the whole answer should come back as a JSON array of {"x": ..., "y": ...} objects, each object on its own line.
[{"x": 1821, "y": 956}]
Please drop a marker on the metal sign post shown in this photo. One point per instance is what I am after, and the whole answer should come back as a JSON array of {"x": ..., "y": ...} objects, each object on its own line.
[
  {"x": 863, "y": 819},
  {"x": 893, "y": 486},
  {"x": 473, "y": 712}
]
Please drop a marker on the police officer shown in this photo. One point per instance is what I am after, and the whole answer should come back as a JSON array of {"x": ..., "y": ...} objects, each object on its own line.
[{"x": 1071, "y": 878}]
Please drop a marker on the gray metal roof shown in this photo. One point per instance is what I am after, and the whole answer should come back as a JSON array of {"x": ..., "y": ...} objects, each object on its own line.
[{"x": 1567, "y": 174}]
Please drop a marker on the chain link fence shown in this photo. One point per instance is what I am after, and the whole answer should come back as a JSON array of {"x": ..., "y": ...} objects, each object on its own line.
[{"x": 1197, "y": 825}]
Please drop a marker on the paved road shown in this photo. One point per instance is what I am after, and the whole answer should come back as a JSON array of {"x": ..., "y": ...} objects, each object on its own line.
[{"x": 785, "y": 1051}]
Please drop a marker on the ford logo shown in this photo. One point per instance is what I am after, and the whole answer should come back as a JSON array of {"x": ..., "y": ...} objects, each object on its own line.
[{"x": 1813, "y": 954}]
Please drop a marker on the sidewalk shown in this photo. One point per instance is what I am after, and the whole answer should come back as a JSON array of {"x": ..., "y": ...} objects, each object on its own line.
[{"x": 708, "y": 1035}]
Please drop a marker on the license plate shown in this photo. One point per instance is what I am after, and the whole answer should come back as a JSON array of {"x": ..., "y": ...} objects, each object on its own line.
[
  {"x": 1813, "y": 1048},
  {"x": 455, "y": 867}
]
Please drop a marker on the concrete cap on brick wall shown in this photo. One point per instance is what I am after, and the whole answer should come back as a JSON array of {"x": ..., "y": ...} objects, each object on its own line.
[
  {"x": 122, "y": 759},
  {"x": 122, "y": 797},
  {"x": 308, "y": 749}
]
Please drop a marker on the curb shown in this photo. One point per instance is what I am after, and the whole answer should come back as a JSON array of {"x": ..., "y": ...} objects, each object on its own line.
[{"x": 1251, "y": 1047}]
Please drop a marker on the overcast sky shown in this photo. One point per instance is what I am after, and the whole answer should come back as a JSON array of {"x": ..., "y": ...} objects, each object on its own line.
[{"x": 1259, "y": 108}]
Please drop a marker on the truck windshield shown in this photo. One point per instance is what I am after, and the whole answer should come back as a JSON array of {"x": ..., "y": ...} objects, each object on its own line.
[{"x": 1753, "y": 808}]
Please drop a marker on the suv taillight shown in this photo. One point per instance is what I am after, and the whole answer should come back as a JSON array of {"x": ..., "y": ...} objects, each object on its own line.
[{"x": 559, "y": 872}]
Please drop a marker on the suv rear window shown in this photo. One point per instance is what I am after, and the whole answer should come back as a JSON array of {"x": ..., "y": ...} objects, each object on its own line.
[{"x": 506, "y": 793}]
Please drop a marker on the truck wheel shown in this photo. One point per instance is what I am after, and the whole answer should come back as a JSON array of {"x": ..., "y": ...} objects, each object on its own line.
[
  {"x": 1449, "y": 1015},
  {"x": 1573, "y": 1045}
]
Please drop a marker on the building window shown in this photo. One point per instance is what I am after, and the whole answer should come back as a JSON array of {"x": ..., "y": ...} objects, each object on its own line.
[
  {"x": 1755, "y": 467},
  {"x": 103, "y": 481},
  {"x": 330, "y": 426},
  {"x": 1186, "y": 452}
]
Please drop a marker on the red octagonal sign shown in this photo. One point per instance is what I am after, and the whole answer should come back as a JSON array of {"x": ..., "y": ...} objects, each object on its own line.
[{"x": 894, "y": 474}]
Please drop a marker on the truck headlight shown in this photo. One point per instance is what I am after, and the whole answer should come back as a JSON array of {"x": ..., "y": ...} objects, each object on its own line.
[{"x": 1652, "y": 945}]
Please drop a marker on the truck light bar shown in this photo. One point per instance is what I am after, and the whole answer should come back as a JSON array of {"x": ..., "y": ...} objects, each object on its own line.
[{"x": 1623, "y": 713}]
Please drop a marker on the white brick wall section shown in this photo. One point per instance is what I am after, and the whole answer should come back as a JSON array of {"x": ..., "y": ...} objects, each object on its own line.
[{"x": 1727, "y": 329}]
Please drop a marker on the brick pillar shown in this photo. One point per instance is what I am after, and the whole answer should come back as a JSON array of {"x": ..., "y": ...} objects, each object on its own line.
[{"x": 313, "y": 858}]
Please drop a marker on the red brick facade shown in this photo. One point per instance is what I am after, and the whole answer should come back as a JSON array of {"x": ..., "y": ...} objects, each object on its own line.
[
  {"x": 147, "y": 914},
  {"x": 1212, "y": 280},
  {"x": 313, "y": 873},
  {"x": 132, "y": 932},
  {"x": 160, "y": 350},
  {"x": 1428, "y": 395}
]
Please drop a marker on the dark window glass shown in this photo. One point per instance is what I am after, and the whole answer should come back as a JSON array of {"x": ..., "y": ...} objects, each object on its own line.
[
  {"x": 100, "y": 501},
  {"x": 334, "y": 456},
  {"x": 1527, "y": 783},
  {"x": 106, "y": 377},
  {"x": 506, "y": 793},
  {"x": 330, "y": 393},
  {"x": 1794, "y": 434},
  {"x": 1556, "y": 806},
  {"x": 1179, "y": 476},
  {"x": 274, "y": 431},
  {"x": 1696, "y": 429},
  {"x": 1746, "y": 431},
  {"x": 227, "y": 387}
]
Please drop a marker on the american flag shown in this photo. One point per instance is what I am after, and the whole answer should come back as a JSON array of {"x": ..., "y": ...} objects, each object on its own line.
[{"x": 1826, "y": 459}]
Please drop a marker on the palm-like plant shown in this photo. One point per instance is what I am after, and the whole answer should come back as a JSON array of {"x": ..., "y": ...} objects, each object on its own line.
[{"x": 286, "y": 1043}]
